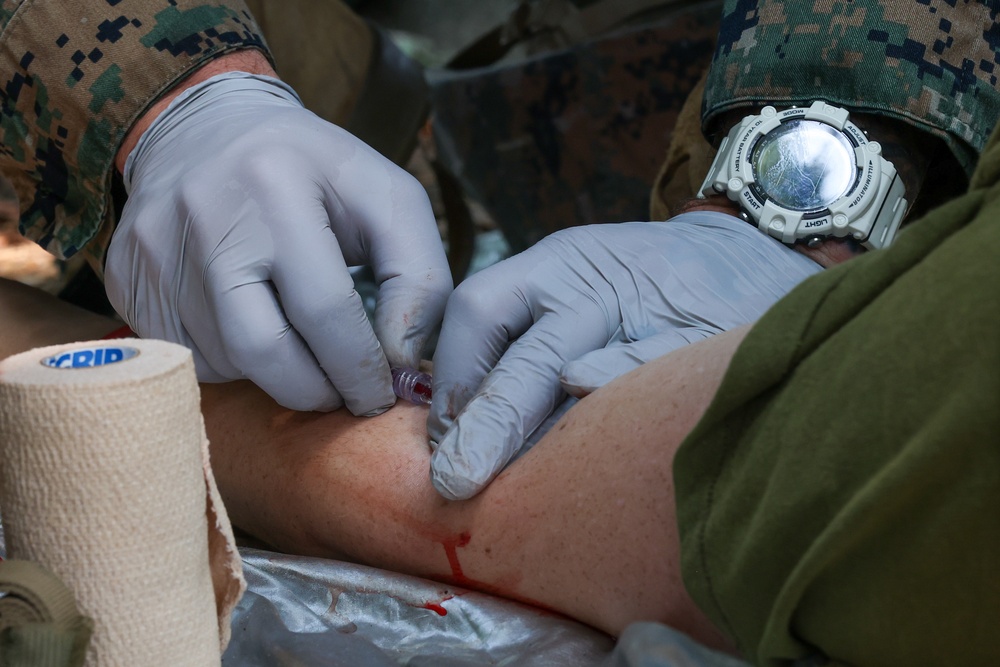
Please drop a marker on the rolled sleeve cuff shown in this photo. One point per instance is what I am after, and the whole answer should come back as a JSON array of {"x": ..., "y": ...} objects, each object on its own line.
[{"x": 75, "y": 77}]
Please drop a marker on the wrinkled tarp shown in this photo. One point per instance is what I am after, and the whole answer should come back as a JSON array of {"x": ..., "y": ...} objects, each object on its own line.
[
  {"x": 310, "y": 611},
  {"x": 313, "y": 612}
]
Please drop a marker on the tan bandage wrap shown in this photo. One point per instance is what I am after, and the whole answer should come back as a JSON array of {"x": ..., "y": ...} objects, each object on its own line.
[{"x": 105, "y": 481}]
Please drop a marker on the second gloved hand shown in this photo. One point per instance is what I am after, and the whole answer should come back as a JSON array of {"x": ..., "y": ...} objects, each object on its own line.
[
  {"x": 581, "y": 307},
  {"x": 244, "y": 213}
]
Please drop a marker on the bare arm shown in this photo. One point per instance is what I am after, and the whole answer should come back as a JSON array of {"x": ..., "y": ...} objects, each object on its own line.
[
  {"x": 32, "y": 318},
  {"x": 583, "y": 524}
]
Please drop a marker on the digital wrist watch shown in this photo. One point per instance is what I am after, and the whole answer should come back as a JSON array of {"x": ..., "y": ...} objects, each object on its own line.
[{"x": 807, "y": 174}]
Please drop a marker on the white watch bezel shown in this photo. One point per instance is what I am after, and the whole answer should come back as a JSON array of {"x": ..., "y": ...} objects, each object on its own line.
[{"x": 869, "y": 212}]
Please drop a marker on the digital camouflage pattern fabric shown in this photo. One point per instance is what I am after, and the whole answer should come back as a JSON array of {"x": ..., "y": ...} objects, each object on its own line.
[
  {"x": 573, "y": 136},
  {"x": 73, "y": 78},
  {"x": 933, "y": 63}
]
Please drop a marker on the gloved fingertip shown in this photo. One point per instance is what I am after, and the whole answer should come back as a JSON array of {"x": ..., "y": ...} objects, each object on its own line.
[
  {"x": 578, "y": 379},
  {"x": 577, "y": 391},
  {"x": 448, "y": 480},
  {"x": 454, "y": 488},
  {"x": 329, "y": 406},
  {"x": 377, "y": 411},
  {"x": 371, "y": 405}
]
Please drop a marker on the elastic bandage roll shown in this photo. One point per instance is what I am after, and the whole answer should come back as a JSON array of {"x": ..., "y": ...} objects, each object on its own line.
[{"x": 105, "y": 481}]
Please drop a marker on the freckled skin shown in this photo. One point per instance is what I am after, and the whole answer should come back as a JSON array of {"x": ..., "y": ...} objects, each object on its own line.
[{"x": 583, "y": 524}]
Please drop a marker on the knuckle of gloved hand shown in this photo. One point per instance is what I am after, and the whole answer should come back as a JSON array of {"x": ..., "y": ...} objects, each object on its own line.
[
  {"x": 421, "y": 293},
  {"x": 265, "y": 161},
  {"x": 563, "y": 236},
  {"x": 254, "y": 168},
  {"x": 251, "y": 350},
  {"x": 407, "y": 190},
  {"x": 474, "y": 300},
  {"x": 575, "y": 239},
  {"x": 194, "y": 192},
  {"x": 406, "y": 222},
  {"x": 134, "y": 233},
  {"x": 439, "y": 283}
]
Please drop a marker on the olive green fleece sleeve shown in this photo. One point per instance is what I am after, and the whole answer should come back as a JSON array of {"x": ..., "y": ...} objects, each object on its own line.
[{"x": 837, "y": 500}]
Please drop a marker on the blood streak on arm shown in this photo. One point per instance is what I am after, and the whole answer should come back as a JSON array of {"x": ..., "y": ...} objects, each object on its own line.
[{"x": 458, "y": 577}]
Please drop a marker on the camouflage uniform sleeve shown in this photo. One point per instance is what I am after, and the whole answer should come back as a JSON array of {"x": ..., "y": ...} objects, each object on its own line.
[
  {"x": 932, "y": 63},
  {"x": 74, "y": 76}
]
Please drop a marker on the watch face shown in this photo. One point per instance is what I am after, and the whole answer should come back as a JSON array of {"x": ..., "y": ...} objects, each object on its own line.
[{"x": 804, "y": 165}]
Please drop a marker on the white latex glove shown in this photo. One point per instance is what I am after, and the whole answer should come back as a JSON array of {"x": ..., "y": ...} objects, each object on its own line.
[
  {"x": 244, "y": 212},
  {"x": 582, "y": 307}
]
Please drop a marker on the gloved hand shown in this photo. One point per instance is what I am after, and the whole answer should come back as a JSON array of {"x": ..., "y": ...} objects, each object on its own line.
[
  {"x": 581, "y": 307},
  {"x": 244, "y": 212}
]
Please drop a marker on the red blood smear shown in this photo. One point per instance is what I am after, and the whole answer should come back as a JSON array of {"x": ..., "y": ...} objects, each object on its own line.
[
  {"x": 451, "y": 550},
  {"x": 458, "y": 577},
  {"x": 436, "y": 608}
]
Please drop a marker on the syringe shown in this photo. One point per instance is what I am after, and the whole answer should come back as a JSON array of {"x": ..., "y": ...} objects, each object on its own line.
[{"x": 412, "y": 385}]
